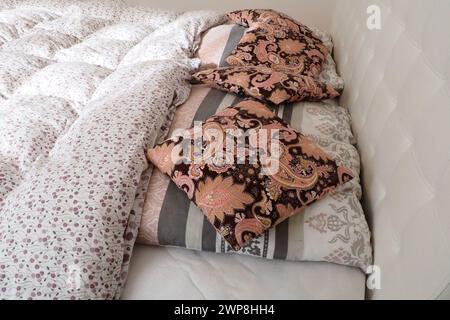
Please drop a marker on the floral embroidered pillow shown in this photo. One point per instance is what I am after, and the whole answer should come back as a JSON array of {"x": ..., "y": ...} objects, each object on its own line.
[
  {"x": 265, "y": 84},
  {"x": 243, "y": 193},
  {"x": 288, "y": 47}
]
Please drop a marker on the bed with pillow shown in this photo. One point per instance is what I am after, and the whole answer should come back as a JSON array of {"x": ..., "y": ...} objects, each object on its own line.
[
  {"x": 93, "y": 93},
  {"x": 397, "y": 93},
  {"x": 95, "y": 96},
  {"x": 320, "y": 253},
  {"x": 88, "y": 89}
]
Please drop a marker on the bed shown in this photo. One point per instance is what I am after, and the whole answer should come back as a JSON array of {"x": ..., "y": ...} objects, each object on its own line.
[
  {"x": 100, "y": 82},
  {"x": 410, "y": 237}
]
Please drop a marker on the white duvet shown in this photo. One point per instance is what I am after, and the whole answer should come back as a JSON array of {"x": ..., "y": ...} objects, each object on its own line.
[{"x": 85, "y": 87}]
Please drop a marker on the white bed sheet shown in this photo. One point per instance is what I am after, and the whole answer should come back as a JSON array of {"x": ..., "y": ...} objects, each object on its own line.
[{"x": 174, "y": 273}]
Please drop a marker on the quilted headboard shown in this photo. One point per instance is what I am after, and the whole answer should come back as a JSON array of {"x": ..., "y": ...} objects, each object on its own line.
[{"x": 398, "y": 92}]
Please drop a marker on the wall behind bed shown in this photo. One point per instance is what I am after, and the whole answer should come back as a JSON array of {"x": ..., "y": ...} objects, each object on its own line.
[
  {"x": 397, "y": 87},
  {"x": 316, "y": 13}
]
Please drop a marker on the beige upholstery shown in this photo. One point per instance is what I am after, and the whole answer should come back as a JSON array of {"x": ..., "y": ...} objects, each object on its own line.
[
  {"x": 176, "y": 273},
  {"x": 397, "y": 88}
]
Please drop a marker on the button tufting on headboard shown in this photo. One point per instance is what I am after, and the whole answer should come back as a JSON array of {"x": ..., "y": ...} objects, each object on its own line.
[{"x": 398, "y": 92}]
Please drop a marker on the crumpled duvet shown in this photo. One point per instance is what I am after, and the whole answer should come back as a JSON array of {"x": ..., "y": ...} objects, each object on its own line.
[{"x": 85, "y": 88}]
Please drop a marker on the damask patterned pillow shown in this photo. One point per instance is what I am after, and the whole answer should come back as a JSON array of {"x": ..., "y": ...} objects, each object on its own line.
[
  {"x": 241, "y": 195},
  {"x": 265, "y": 84},
  {"x": 284, "y": 46}
]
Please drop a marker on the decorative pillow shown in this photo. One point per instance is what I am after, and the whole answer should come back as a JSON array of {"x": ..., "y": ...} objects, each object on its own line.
[
  {"x": 218, "y": 43},
  {"x": 287, "y": 47},
  {"x": 243, "y": 199},
  {"x": 265, "y": 84}
]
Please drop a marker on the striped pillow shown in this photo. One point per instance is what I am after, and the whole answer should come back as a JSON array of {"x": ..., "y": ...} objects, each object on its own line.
[{"x": 333, "y": 229}]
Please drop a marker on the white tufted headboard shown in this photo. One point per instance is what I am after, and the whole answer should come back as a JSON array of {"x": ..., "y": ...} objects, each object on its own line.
[{"x": 398, "y": 92}]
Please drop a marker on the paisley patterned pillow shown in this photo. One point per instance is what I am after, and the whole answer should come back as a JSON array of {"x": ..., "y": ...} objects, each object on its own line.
[
  {"x": 283, "y": 45},
  {"x": 265, "y": 84},
  {"x": 241, "y": 194}
]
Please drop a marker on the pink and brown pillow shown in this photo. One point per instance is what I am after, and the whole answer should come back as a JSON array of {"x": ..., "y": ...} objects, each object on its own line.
[
  {"x": 265, "y": 84},
  {"x": 242, "y": 201},
  {"x": 283, "y": 45}
]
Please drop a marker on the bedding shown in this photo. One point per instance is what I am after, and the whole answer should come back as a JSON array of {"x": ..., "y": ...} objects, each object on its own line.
[
  {"x": 75, "y": 121},
  {"x": 246, "y": 192},
  {"x": 333, "y": 229},
  {"x": 265, "y": 84}
]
